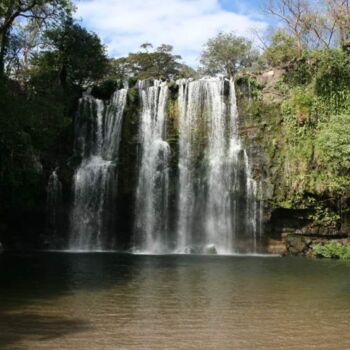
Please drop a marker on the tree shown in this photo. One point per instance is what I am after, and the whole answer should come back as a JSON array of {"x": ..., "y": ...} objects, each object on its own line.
[
  {"x": 339, "y": 11},
  {"x": 308, "y": 23},
  {"x": 158, "y": 64},
  {"x": 74, "y": 55},
  {"x": 187, "y": 72},
  {"x": 283, "y": 49},
  {"x": 226, "y": 53},
  {"x": 292, "y": 13},
  {"x": 40, "y": 11}
]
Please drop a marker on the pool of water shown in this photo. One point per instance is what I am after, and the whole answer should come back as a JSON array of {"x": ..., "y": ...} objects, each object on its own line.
[{"x": 105, "y": 301}]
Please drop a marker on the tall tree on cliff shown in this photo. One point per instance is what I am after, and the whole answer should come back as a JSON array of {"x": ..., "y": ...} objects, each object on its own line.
[
  {"x": 72, "y": 55},
  {"x": 226, "y": 53},
  {"x": 160, "y": 63}
]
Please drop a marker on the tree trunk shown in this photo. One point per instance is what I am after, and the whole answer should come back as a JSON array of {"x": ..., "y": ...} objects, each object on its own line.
[{"x": 3, "y": 47}]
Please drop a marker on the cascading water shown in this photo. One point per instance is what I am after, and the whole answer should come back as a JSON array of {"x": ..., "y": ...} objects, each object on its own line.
[
  {"x": 207, "y": 203},
  {"x": 53, "y": 202},
  {"x": 98, "y": 129},
  {"x": 217, "y": 204},
  {"x": 151, "y": 224}
]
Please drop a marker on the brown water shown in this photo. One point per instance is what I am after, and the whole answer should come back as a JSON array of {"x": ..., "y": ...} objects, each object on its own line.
[{"x": 112, "y": 301}]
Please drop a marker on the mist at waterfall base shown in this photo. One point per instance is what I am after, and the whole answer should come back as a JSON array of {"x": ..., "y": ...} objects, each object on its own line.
[{"x": 196, "y": 197}]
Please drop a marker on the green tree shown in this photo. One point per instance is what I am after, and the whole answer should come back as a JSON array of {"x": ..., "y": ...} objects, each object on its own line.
[
  {"x": 226, "y": 53},
  {"x": 42, "y": 12},
  {"x": 74, "y": 55},
  {"x": 283, "y": 50},
  {"x": 158, "y": 64},
  {"x": 187, "y": 72}
]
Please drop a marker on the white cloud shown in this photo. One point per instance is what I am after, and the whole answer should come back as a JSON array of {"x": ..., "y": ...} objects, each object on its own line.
[{"x": 186, "y": 24}]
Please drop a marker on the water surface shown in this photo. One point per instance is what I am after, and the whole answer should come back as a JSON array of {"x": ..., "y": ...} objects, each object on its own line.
[{"x": 114, "y": 301}]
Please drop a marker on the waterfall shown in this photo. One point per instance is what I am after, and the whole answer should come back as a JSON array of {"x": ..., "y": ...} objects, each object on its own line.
[
  {"x": 151, "y": 223},
  {"x": 217, "y": 204},
  {"x": 98, "y": 130},
  {"x": 53, "y": 201},
  {"x": 197, "y": 196}
]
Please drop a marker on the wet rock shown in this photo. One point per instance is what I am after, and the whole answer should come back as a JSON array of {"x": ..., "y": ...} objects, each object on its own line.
[
  {"x": 210, "y": 249},
  {"x": 192, "y": 250},
  {"x": 297, "y": 244}
]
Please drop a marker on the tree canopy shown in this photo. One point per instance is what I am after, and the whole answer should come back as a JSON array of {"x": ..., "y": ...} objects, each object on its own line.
[
  {"x": 37, "y": 13},
  {"x": 226, "y": 53},
  {"x": 75, "y": 55},
  {"x": 147, "y": 63},
  {"x": 282, "y": 50}
]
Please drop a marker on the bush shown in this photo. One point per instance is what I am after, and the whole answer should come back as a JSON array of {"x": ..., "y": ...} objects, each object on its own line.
[
  {"x": 333, "y": 143},
  {"x": 324, "y": 216},
  {"x": 333, "y": 250},
  {"x": 332, "y": 71},
  {"x": 282, "y": 50}
]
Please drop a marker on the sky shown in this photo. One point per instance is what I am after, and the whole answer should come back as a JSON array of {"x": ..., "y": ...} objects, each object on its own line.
[{"x": 123, "y": 25}]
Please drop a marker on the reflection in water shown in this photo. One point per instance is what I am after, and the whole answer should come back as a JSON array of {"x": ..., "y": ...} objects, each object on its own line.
[{"x": 111, "y": 301}]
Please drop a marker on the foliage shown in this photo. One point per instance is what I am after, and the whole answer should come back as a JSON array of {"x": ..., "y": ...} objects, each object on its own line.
[
  {"x": 333, "y": 143},
  {"x": 332, "y": 250},
  {"x": 311, "y": 149},
  {"x": 226, "y": 53},
  {"x": 332, "y": 71},
  {"x": 105, "y": 90},
  {"x": 73, "y": 54},
  {"x": 282, "y": 50},
  {"x": 33, "y": 15},
  {"x": 158, "y": 64},
  {"x": 44, "y": 10},
  {"x": 38, "y": 100},
  {"x": 250, "y": 86},
  {"x": 302, "y": 103},
  {"x": 324, "y": 216},
  {"x": 186, "y": 72},
  {"x": 26, "y": 126},
  {"x": 313, "y": 24}
]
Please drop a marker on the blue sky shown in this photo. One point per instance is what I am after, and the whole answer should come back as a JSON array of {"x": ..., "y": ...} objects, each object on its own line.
[{"x": 124, "y": 25}]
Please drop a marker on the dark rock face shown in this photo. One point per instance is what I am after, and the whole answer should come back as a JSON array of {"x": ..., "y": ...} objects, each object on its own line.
[
  {"x": 127, "y": 173},
  {"x": 284, "y": 221},
  {"x": 261, "y": 129}
]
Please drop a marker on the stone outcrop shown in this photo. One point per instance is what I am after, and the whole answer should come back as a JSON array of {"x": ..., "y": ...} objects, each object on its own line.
[{"x": 302, "y": 244}]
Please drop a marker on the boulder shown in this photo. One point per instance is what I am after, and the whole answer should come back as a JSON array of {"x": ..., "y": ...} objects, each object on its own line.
[
  {"x": 192, "y": 250},
  {"x": 297, "y": 244},
  {"x": 210, "y": 249}
]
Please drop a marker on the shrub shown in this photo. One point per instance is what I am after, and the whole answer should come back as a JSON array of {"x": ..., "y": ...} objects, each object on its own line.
[
  {"x": 282, "y": 50},
  {"x": 333, "y": 143},
  {"x": 333, "y": 250}
]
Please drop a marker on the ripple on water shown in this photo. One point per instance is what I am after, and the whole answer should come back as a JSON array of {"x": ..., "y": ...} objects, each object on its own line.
[{"x": 123, "y": 301}]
